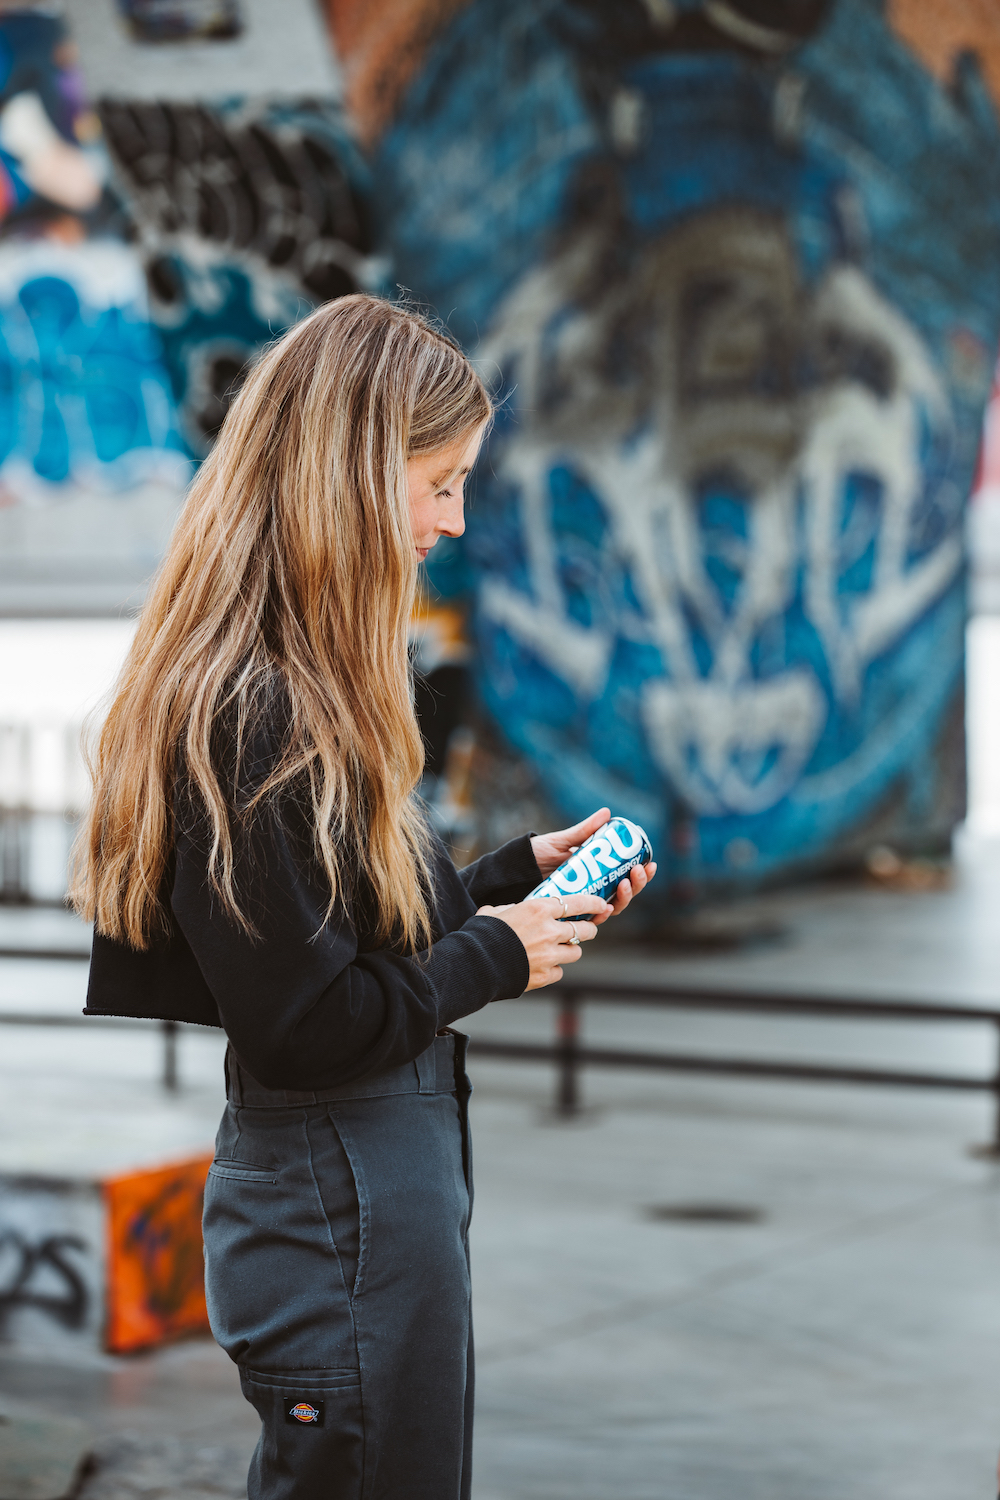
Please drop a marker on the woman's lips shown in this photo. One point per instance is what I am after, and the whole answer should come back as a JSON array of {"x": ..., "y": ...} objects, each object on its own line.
[{"x": 422, "y": 552}]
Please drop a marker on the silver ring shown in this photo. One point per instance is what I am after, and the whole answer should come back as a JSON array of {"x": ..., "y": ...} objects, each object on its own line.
[
  {"x": 574, "y": 941},
  {"x": 562, "y": 903}
]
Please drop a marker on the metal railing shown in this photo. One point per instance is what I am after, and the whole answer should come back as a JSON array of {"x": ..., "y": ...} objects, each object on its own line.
[
  {"x": 569, "y": 1056},
  {"x": 169, "y": 1030}
]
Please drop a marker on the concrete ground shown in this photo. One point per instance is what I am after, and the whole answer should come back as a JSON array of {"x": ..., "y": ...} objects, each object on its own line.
[{"x": 837, "y": 1337}]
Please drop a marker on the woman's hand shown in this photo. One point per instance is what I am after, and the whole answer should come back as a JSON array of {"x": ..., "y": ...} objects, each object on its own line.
[
  {"x": 553, "y": 849},
  {"x": 548, "y": 941},
  {"x": 633, "y": 883}
]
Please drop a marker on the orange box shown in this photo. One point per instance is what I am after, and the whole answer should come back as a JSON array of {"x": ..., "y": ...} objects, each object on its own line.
[{"x": 154, "y": 1271}]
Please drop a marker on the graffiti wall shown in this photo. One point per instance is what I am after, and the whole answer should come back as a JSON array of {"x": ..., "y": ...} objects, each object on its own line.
[
  {"x": 91, "y": 461},
  {"x": 149, "y": 244},
  {"x": 243, "y": 191},
  {"x": 734, "y": 269},
  {"x": 244, "y": 219},
  {"x": 730, "y": 266}
]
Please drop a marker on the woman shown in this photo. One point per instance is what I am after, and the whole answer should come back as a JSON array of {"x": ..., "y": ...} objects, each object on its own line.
[{"x": 255, "y": 858}]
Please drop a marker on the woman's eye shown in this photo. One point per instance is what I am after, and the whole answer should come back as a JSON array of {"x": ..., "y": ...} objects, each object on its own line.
[{"x": 444, "y": 494}]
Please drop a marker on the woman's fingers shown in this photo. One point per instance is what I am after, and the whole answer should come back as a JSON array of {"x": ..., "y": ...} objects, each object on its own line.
[
  {"x": 584, "y": 905},
  {"x": 554, "y": 929},
  {"x": 551, "y": 849},
  {"x": 630, "y": 887},
  {"x": 580, "y": 832},
  {"x": 619, "y": 901},
  {"x": 627, "y": 888},
  {"x": 564, "y": 933},
  {"x": 636, "y": 881}
]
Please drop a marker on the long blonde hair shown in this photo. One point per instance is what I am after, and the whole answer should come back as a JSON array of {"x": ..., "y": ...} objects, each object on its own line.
[{"x": 291, "y": 574}]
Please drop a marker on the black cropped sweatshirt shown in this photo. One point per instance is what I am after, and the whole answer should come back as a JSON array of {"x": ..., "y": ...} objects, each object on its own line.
[{"x": 309, "y": 1004}]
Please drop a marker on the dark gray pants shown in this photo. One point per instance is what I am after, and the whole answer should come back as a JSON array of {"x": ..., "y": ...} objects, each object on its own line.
[{"x": 337, "y": 1273}]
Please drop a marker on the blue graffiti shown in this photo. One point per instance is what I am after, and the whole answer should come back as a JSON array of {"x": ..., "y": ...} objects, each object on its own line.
[
  {"x": 743, "y": 313},
  {"x": 84, "y": 395}
]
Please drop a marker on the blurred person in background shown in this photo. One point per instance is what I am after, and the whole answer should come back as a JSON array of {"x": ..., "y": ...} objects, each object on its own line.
[
  {"x": 51, "y": 168},
  {"x": 255, "y": 857}
]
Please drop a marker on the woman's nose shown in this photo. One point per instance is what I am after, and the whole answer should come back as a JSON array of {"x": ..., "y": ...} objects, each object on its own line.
[{"x": 451, "y": 521}]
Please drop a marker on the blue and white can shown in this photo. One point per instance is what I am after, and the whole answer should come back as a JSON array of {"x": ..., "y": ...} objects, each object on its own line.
[{"x": 600, "y": 864}]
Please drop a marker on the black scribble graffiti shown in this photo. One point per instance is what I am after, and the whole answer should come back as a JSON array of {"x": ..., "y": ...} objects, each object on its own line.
[
  {"x": 245, "y": 217},
  {"x": 69, "y": 1308},
  {"x": 270, "y": 186}
]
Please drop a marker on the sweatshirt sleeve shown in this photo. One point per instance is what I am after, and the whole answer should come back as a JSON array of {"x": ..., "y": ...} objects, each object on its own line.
[
  {"x": 302, "y": 1006},
  {"x": 508, "y": 874}
]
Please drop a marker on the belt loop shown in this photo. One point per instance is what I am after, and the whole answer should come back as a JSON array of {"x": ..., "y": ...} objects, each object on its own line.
[
  {"x": 462, "y": 1081},
  {"x": 426, "y": 1069},
  {"x": 461, "y": 1051},
  {"x": 234, "y": 1089}
]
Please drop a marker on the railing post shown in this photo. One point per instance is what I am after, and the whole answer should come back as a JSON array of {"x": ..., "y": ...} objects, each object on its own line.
[
  {"x": 995, "y": 1143},
  {"x": 567, "y": 1057},
  {"x": 170, "y": 1056}
]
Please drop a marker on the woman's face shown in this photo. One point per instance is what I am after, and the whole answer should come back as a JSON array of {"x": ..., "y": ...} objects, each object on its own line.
[{"x": 436, "y": 483}]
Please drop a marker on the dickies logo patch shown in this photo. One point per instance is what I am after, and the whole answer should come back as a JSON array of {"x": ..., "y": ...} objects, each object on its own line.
[{"x": 304, "y": 1413}]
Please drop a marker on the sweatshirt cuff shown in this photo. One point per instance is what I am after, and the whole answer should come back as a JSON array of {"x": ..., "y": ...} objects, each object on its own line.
[
  {"x": 508, "y": 953},
  {"x": 484, "y": 960},
  {"x": 507, "y": 874},
  {"x": 519, "y": 863}
]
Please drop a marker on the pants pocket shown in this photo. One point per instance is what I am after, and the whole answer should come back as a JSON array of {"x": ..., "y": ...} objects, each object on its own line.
[
  {"x": 337, "y": 1184},
  {"x": 273, "y": 1283},
  {"x": 312, "y": 1440},
  {"x": 242, "y": 1171}
]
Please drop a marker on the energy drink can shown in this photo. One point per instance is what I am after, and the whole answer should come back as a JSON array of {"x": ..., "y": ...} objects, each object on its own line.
[{"x": 600, "y": 864}]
